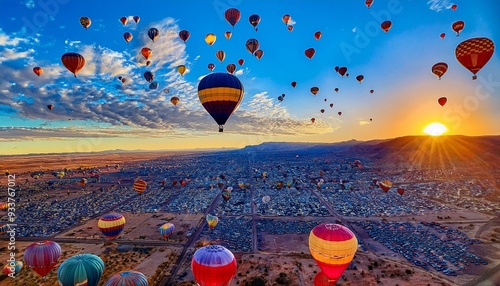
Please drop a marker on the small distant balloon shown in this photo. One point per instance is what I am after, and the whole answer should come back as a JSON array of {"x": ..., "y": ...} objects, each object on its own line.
[
  {"x": 336, "y": 89},
  {"x": 228, "y": 35},
  {"x": 149, "y": 76},
  {"x": 124, "y": 20},
  {"x": 174, "y": 100},
  {"x": 386, "y": 25},
  {"x": 50, "y": 106},
  {"x": 314, "y": 90},
  {"x": 259, "y": 54},
  {"x": 210, "y": 39},
  {"x": 181, "y": 69},
  {"x": 339, "y": 113},
  {"x": 153, "y": 33},
  {"x": 136, "y": 19},
  {"x": 38, "y": 71},
  {"x": 442, "y": 35},
  {"x": 360, "y": 78},
  {"x": 184, "y": 35},
  {"x": 211, "y": 66},
  {"x": 318, "y": 35},
  {"x": 254, "y": 21},
  {"x": 454, "y": 7},
  {"x": 290, "y": 28},
  {"x": 154, "y": 85},
  {"x": 252, "y": 45},
  {"x": 232, "y": 16},
  {"x": 322, "y": 111},
  {"x": 372, "y": 91},
  {"x": 231, "y": 68},
  {"x": 220, "y": 55},
  {"x": 368, "y": 3},
  {"x": 313, "y": 119},
  {"x": 442, "y": 101},
  {"x": 127, "y": 36},
  {"x": 241, "y": 62},
  {"x": 146, "y": 52},
  {"x": 85, "y": 22},
  {"x": 294, "y": 83},
  {"x": 310, "y": 52},
  {"x": 458, "y": 26},
  {"x": 342, "y": 71},
  {"x": 439, "y": 69},
  {"x": 286, "y": 19}
]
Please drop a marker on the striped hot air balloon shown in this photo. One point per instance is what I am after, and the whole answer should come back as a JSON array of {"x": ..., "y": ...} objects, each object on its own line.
[
  {"x": 4, "y": 228},
  {"x": 111, "y": 225},
  {"x": 140, "y": 186},
  {"x": 220, "y": 94},
  {"x": 167, "y": 229},
  {"x": 128, "y": 278},
  {"x": 213, "y": 265},
  {"x": 333, "y": 247},
  {"x": 74, "y": 62},
  {"x": 212, "y": 221},
  {"x": 4, "y": 206},
  {"x": 42, "y": 256},
  {"x": 12, "y": 268},
  {"x": 474, "y": 53},
  {"x": 81, "y": 269}
]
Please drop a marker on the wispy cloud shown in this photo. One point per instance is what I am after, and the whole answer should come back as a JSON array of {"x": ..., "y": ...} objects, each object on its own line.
[
  {"x": 438, "y": 5},
  {"x": 30, "y": 4}
]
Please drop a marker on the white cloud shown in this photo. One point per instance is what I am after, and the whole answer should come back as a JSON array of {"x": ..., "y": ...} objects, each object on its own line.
[
  {"x": 30, "y": 4},
  {"x": 14, "y": 54},
  {"x": 438, "y": 5},
  {"x": 5, "y": 40},
  {"x": 364, "y": 122}
]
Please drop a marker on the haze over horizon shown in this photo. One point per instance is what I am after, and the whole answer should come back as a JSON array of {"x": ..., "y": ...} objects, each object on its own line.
[{"x": 96, "y": 112}]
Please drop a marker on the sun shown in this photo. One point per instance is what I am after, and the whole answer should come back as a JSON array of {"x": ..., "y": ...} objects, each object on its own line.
[{"x": 435, "y": 129}]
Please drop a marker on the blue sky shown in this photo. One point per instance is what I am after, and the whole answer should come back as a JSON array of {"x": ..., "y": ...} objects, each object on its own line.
[{"x": 97, "y": 107}]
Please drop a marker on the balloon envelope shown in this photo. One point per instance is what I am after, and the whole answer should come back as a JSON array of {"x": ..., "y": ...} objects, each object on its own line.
[
  {"x": 439, "y": 69},
  {"x": 442, "y": 101},
  {"x": 81, "y": 269},
  {"x": 167, "y": 229},
  {"x": 474, "y": 53},
  {"x": 333, "y": 247},
  {"x": 42, "y": 256},
  {"x": 213, "y": 265},
  {"x": 128, "y": 278},
  {"x": 232, "y": 16},
  {"x": 220, "y": 94},
  {"x": 184, "y": 35},
  {"x": 140, "y": 186},
  {"x": 386, "y": 25},
  {"x": 111, "y": 225},
  {"x": 212, "y": 221},
  {"x": 210, "y": 39},
  {"x": 74, "y": 62}
]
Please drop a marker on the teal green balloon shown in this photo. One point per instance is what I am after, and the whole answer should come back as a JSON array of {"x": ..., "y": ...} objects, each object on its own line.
[{"x": 81, "y": 269}]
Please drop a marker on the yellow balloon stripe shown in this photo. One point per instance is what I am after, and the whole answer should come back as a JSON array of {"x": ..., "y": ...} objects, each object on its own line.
[
  {"x": 109, "y": 224},
  {"x": 332, "y": 252},
  {"x": 220, "y": 94}
]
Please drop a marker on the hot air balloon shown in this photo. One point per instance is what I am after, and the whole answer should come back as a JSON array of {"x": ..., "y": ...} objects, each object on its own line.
[
  {"x": 331, "y": 105},
  {"x": 318, "y": 35},
  {"x": 226, "y": 195},
  {"x": 153, "y": 33},
  {"x": 212, "y": 221},
  {"x": 309, "y": 52},
  {"x": 254, "y": 20},
  {"x": 372, "y": 91},
  {"x": 38, "y": 71},
  {"x": 385, "y": 185},
  {"x": 213, "y": 265},
  {"x": 128, "y": 278},
  {"x": 368, "y": 3},
  {"x": 342, "y": 71},
  {"x": 386, "y": 25},
  {"x": 241, "y": 62},
  {"x": 13, "y": 267},
  {"x": 220, "y": 55},
  {"x": 184, "y": 35},
  {"x": 339, "y": 113},
  {"x": 73, "y": 62},
  {"x": 336, "y": 69},
  {"x": 322, "y": 111},
  {"x": 333, "y": 247},
  {"x": 401, "y": 191},
  {"x": 454, "y": 7},
  {"x": 294, "y": 83},
  {"x": 285, "y": 19},
  {"x": 252, "y": 45},
  {"x": 211, "y": 66},
  {"x": 474, "y": 53},
  {"x": 149, "y": 76},
  {"x": 4, "y": 228},
  {"x": 3, "y": 205},
  {"x": 148, "y": 63},
  {"x": 42, "y": 256},
  {"x": 167, "y": 229},
  {"x": 228, "y": 34},
  {"x": 146, "y": 52},
  {"x": 336, "y": 89},
  {"x": 281, "y": 97},
  {"x": 360, "y": 78},
  {"x": 439, "y": 69},
  {"x": 140, "y": 186},
  {"x": 174, "y": 100},
  {"x": 442, "y": 101},
  {"x": 136, "y": 19},
  {"x": 231, "y": 68},
  {"x": 442, "y": 35},
  {"x": 127, "y": 36},
  {"x": 232, "y": 16},
  {"x": 80, "y": 269},
  {"x": 85, "y": 22},
  {"x": 314, "y": 90},
  {"x": 82, "y": 182},
  {"x": 458, "y": 26},
  {"x": 290, "y": 28},
  {"x": 266, "y": 199},
  {"x": 313, "y": 119},
  {"x": 210, "y": 39},
  {"x": 111, "y": 225},
  {"x": 259, "y": 54},
  {"x": 181, "y": 69},
  {"x": 220, "y": 94},
  {"x": 50, "y": 106},
  {"x": 124, "y": 20}
]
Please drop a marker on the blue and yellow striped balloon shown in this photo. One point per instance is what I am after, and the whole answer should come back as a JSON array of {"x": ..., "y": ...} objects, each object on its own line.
[
  {"x": 111, "y": 225},
  {"x": 220, "y": 94}
]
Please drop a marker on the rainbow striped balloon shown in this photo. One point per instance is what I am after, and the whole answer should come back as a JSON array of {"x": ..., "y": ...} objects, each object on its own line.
[
  {"x": 213, "y": 265},
  {"x": 111, "y": 225},
  {"x": 212, "y": 221},
  {"x": 333, "y": 247},
  {"x": 167, "y": 229},
  {"x": 140, "y": 186},
  {"x": 128, "y": 278},
  {"x": 13, "y": 268}
]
